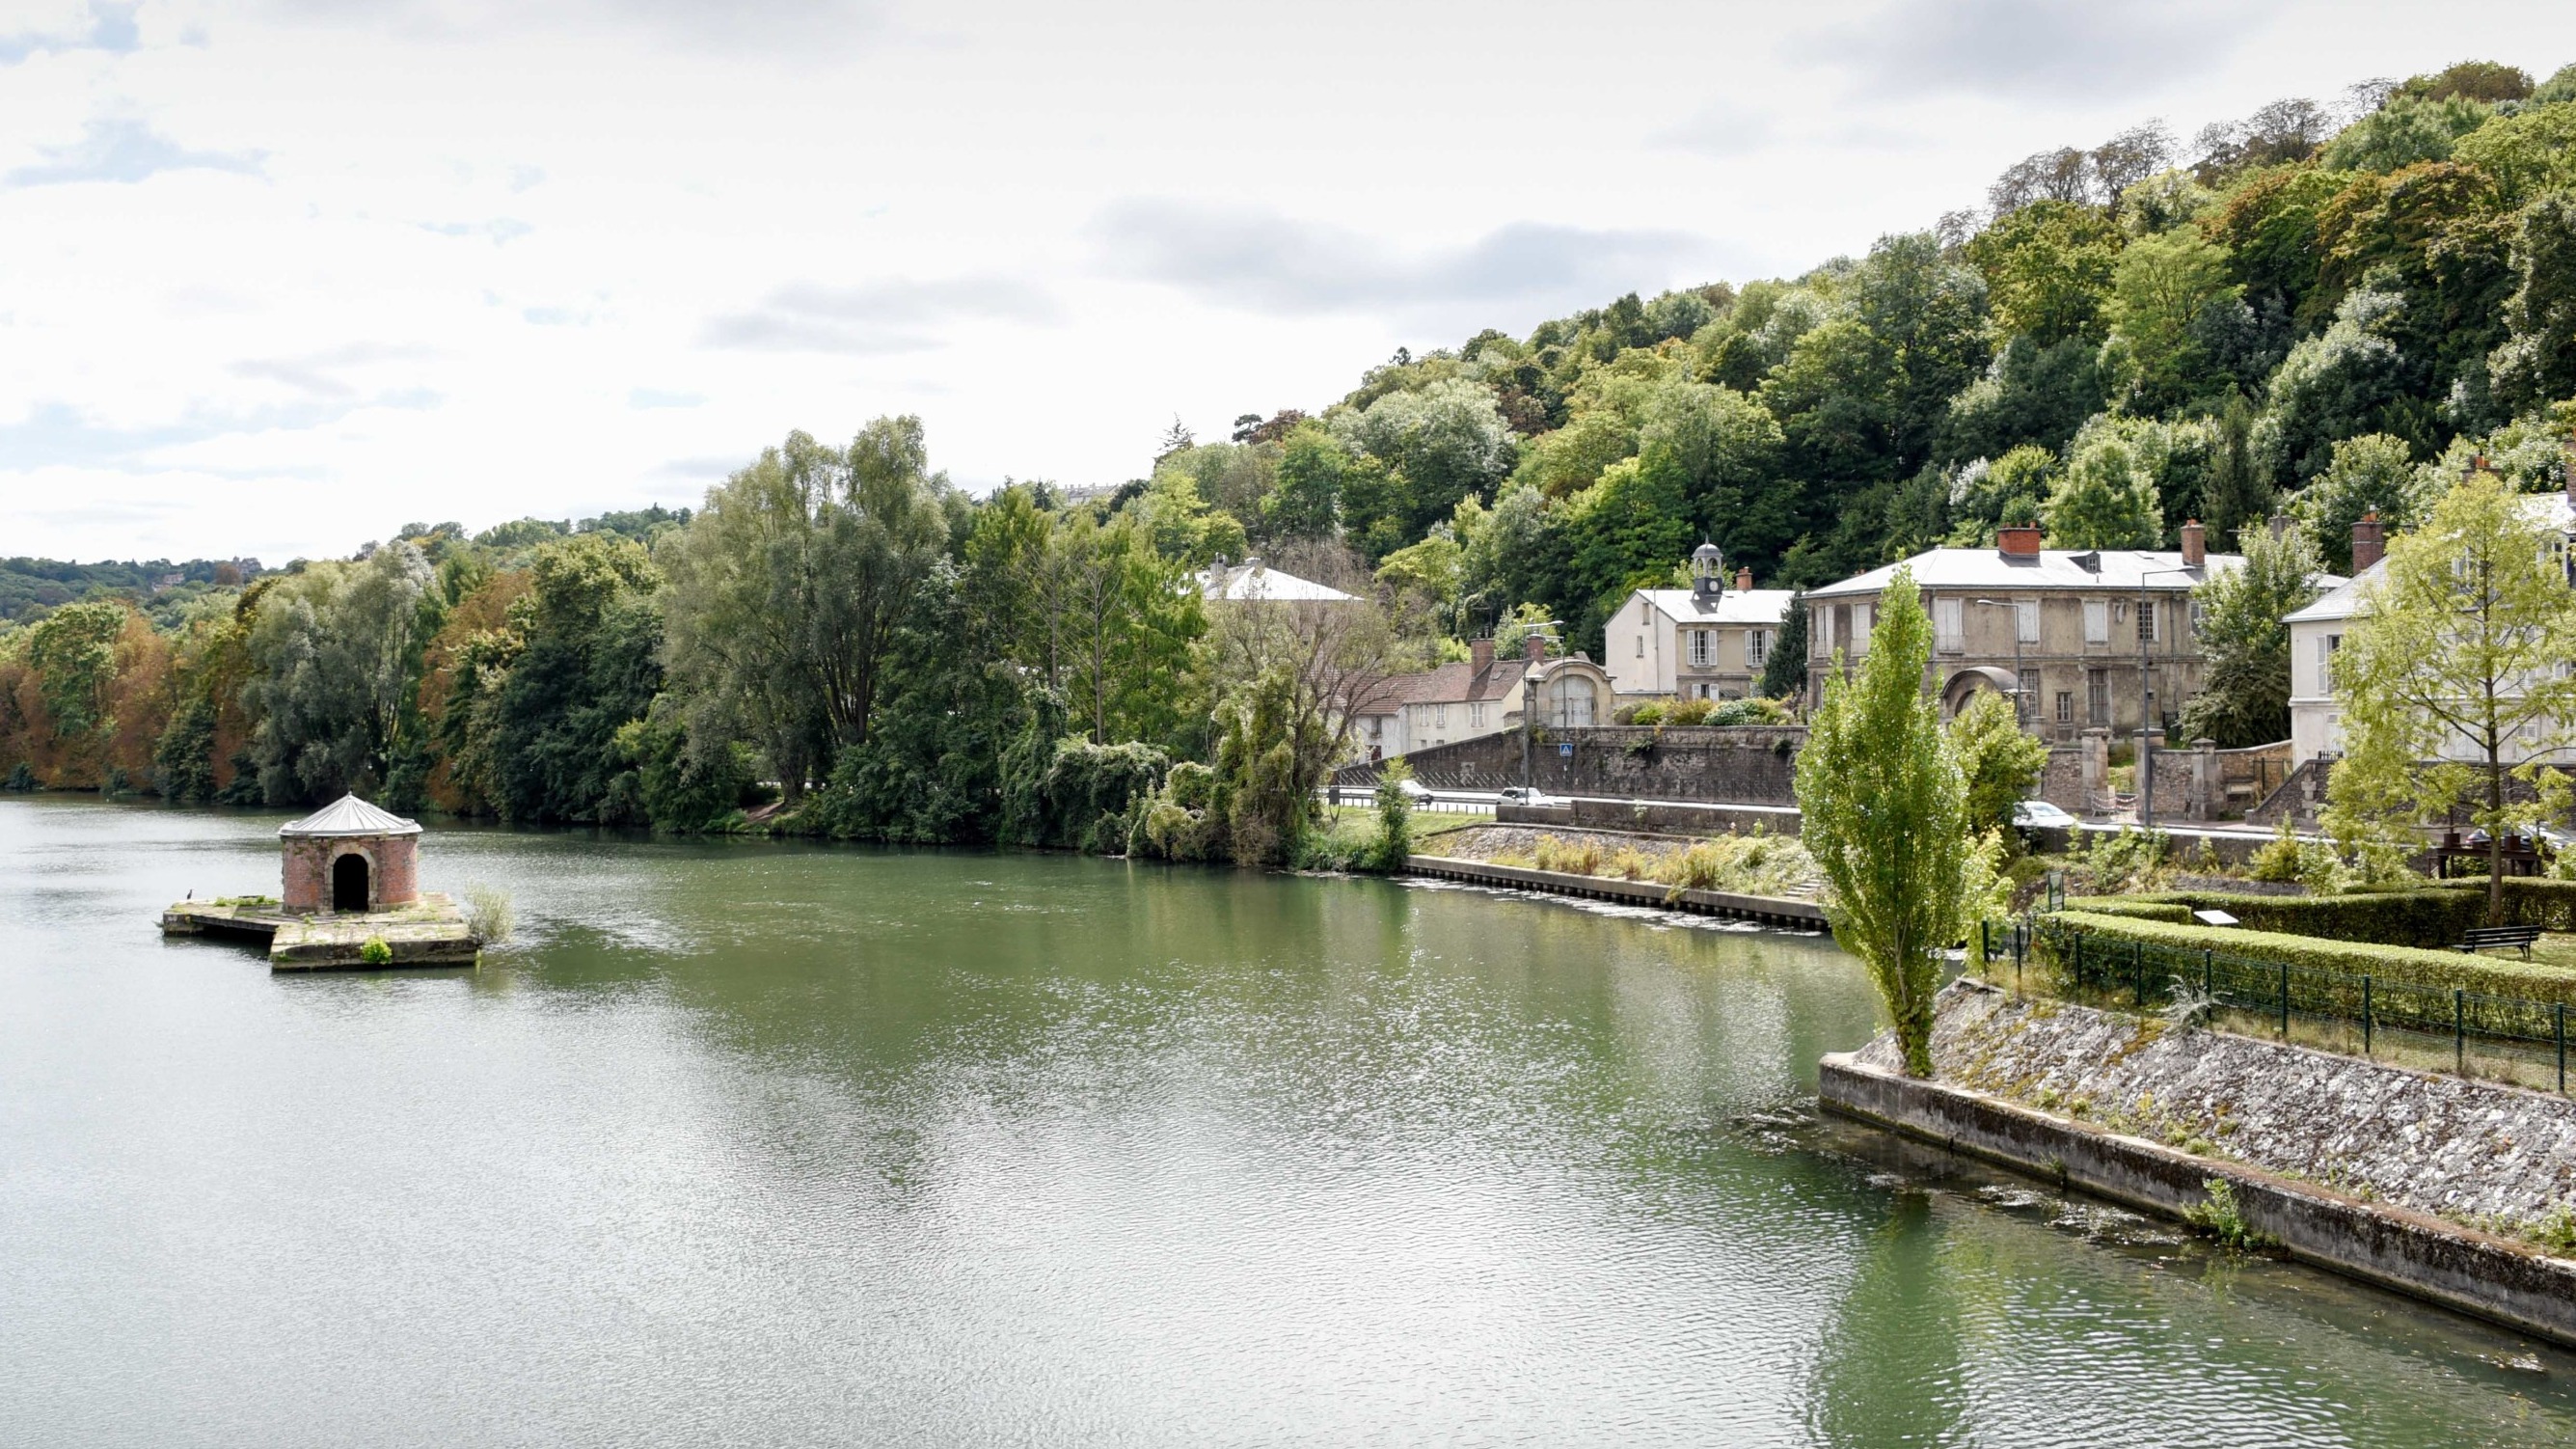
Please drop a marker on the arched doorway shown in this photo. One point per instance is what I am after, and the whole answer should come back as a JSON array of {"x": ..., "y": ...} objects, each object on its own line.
[
  {"x": 1965, "y": 684},
  {"x": 1569, "y": 702},
  {"x": 349, "y": 883}
]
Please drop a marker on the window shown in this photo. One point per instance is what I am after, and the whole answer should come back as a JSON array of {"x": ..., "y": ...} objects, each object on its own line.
[
  {"x": 2146, "y": 621},
  {"x": 2028, "y": 698},
  {"x": 1702, "y": 647},
  {"x": 2097, "y": 622},
  {"x": 2026, "y": 620},
  {"x": 1950, "y": 625},
  {"x": 1757, "y": 647},
  {"x": 2327, "y": 644},
  {"x": 1641, "y": 645},
  {"x": 2097, "y": 696},
  {"x": 1476, "y": 715},
  {"x": 2066, "y": 706},
  {"x": 1838, "y": 635},
  {"x": 1861, "y": 616},
  {"x": 1440, "y": 714}
]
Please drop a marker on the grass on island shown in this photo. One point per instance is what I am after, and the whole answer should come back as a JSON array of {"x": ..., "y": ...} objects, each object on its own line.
[{"x": 1750, "y": 865}]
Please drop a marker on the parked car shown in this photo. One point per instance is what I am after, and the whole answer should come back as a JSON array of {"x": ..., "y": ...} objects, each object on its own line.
[
  {"x": 1526, "y": 795},
  {"x": 2032, "y": 817},
  {"x": 1413, "y": 789}
]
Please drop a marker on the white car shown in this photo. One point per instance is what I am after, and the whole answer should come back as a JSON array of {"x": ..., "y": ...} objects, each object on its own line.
[
  {"x": 2040, "y": 815},
  {"x": 1413, "y": 789},
  {"x": 1525, "y": 795}
]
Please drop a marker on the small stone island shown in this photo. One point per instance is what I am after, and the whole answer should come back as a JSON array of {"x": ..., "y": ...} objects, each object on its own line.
[{"x": 350, "y": 897}]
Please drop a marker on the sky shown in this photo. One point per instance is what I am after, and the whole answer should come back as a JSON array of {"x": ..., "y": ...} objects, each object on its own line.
[{"x": 278, "y": 278}]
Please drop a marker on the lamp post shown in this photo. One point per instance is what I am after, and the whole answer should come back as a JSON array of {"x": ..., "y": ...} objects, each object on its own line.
[
  {"x": 2146, "y": 749},
  {"x": 1529, "y": 696},
  {"x": 2017, "y": 690}
]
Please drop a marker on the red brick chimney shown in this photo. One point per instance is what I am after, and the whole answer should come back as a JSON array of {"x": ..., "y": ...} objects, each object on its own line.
[
  {"x": 1533, "y": 646},
  {"x": 2195, "y": 544},
  {"x": 2017, "y": 542},
  {"x": 2368, "y": 541},
  {"x": 1480, "y": 654},
  {"x": 1743, "y": 580}
]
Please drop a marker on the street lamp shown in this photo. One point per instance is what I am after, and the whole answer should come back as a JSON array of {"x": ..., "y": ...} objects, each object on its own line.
[
  {"x": 2017, "y": 690},
  {"x": 2146, "y": 749},
  {"x": 1529, "y": 697}
]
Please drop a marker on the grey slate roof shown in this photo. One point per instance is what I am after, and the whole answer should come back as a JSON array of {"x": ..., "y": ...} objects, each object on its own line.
[
  {"x": 2552, "y": 510},
  {"x": 1731, "y": 606},
  {"x": 2123, "y": 570},
  {"x": 350, "y": 815},
  {"x": 1255, "y": 581}
]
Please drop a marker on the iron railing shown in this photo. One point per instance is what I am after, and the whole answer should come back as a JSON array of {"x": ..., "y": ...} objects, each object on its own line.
[{"x": 2148, "y": 976}]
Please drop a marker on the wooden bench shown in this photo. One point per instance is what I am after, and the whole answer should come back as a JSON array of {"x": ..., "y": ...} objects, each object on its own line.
[{"x": 2483, "y": 938}]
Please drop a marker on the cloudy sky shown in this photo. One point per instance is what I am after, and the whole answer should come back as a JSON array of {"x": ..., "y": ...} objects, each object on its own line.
[{"x": 279, "y": 277}]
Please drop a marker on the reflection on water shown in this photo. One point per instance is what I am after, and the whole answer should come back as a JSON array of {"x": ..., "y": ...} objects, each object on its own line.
[{"x": 772, "y": 1144}]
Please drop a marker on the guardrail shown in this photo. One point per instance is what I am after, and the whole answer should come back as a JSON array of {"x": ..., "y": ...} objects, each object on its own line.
[{"x": 2534, "y": 1032}]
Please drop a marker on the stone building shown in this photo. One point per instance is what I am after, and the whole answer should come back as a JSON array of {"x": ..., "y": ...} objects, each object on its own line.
[
  {"x": 1708, "y": 641},
  {"x": 350, "y": 856},
  {"x": 2067, "y": 633},
  {"x": 1482, "y": 696}
]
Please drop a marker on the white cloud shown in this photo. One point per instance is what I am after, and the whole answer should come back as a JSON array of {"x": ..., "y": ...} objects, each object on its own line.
[{"x": 120, "y": 149}]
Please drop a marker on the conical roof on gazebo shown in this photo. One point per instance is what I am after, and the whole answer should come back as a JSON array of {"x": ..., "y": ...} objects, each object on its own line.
[{"x": 350, "y": 815}]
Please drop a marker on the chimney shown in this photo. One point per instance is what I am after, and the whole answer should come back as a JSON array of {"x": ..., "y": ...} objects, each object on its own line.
[
  {"x": 2367, "y": 541},
  {"x": 2017, "y": 542},
  {"x": 1480, "y": 654},
  {"x": 1743, "y": 580},
  {"x": 2195, "y": 544},
  {"x": 1533, "y": 646}
]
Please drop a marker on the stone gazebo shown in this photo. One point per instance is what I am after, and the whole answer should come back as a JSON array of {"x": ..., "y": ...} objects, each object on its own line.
[{"x": 350, "y": 856}]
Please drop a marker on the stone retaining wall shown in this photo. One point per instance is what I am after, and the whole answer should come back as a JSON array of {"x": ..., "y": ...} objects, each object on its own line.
[{"x": 2346, "y": 1162}]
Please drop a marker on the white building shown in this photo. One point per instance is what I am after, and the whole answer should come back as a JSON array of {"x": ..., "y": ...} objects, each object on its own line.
[
  {"x": 1254, "y": 582},
  {"x": 1481, "y": 696},
  {"x": 1704, "y": 642},
  {"x": 2316, "y": 632}
]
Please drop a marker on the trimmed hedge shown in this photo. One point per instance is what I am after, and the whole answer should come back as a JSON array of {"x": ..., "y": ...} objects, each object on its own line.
[
  {"x": 2395, "y": 965},
  {"x": 2430, "y": 917},
  {"x": 2531, "y": 901}
]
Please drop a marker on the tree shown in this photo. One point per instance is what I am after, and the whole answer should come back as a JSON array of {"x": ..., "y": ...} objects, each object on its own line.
[
  {"x": 1884, "y": 811},
  {"x": 1442, "y": 443},
  {"x": 1999, "y": 761},
  {"x": 337, "y": 652},
  {"x": 2048, "y": 269},
  {"x": 2373, "y": 473},
  {"x": 2244, "y": 696},
  {"x": 2106, "y": 500},
  {"x": 1307, "y": 502},
  {"x": 2537, "y": 361},
  {"x": 2160, "y": 290},
  {"x": 1784, "y": 669},
  {"x": 2461, "y": 652},
  {"x": 2237, "y": 499}
]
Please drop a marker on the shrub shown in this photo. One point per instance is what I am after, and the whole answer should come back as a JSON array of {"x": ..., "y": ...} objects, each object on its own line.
[
  {"x": 1568, "y": 857},
  {"x": 2052, "y": 946},
  {"x": 2433, "y": 918},
  {"x": 2221, "y": 1218},
  {"x": 1753, "y": 865},
  {"x": 1394, "y": 818},
  {"x": 1650, "y": 712},
  {"x": 376, "y": 952},
  {"x": 1690, "y": 712},
  {"x": 487, "y": 914}
]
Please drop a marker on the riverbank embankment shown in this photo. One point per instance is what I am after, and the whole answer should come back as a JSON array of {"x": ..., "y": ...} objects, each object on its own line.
[{"x": 2400, "y": 1178}]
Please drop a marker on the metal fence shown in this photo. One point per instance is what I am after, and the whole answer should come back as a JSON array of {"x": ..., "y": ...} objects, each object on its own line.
[{"x": 2383, "y": 1011}]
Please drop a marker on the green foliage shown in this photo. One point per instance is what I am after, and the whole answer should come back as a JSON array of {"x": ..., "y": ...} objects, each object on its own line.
[
  {"x": 183, "y": 760},
  {"x": 2106, "y": 500},
  {"x": 1884, "y": 806},
  {"x": 1394, "y": 818},
  {"x": 2407, "y": 965},
  {"x": 2048, "y": 269},
  {"x": 2528, "y": 153},
  {"x": 2407, "y": 130},
  {"x": 1784, "y": 669},
  {"x": 2000, "y": 762},
  {"x": 376, "y": 951},
  {"x": 336, "y": 655},
  {"x": 2373, "y": 473},
  {"x": 2536, "y": 363},
  {"x": 2244, "y": 694},
  {"x": 2221, "y": 1218},
  {"x": 488, "y": 914},
  {"x": 2165, "y": 290},
  {"x": 2462, "y": 649}
]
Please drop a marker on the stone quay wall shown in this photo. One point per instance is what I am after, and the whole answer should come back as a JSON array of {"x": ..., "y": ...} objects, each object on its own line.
[
  {"x": 1732, "y": 764},
  {"x": 2368, "y": 1169}
]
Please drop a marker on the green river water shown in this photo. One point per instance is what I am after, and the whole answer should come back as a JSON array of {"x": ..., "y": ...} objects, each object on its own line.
[{"x": 764, "y": 1144}]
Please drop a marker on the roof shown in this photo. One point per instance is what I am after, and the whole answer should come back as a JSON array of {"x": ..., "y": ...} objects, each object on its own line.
[
  {"x": 1730, "y": 606},
  {"x": 2121, "y": 570},
  {"x": 1254, "y": 581},
  {"x": 2344, "y": 600},
  {"x": 350, "y": 815}
]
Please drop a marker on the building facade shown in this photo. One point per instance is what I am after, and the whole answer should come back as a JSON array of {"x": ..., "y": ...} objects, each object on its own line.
[
  {"x": 2079, "y": 639},
  {"x": 1708, "y": 641},
  {"x": 1481, "y": 696},
  {"x": 2316, "y": 634}
]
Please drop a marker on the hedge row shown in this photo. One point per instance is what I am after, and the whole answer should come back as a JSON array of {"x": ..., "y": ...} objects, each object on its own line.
[
  {"x": 2432, "y": 917},
  {"x": 2396, "y": 965}
]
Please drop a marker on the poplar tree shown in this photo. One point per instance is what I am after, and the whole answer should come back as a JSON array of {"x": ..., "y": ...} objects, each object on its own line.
[
  {"x": 2457, "y": 664},
  {"x": 1884, "y": 811}
]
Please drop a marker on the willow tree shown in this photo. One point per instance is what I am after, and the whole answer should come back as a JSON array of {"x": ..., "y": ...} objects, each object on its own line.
[
  {"x": 1884, "y": 807},
  {"x": 2457, "y": 669}
]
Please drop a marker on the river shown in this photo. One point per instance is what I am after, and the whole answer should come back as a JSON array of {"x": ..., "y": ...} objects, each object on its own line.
[{"x": 774, "y": 1144}]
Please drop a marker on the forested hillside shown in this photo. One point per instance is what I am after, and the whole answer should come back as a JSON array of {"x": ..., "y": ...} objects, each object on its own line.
[{"x": 2313, "y": 309}]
